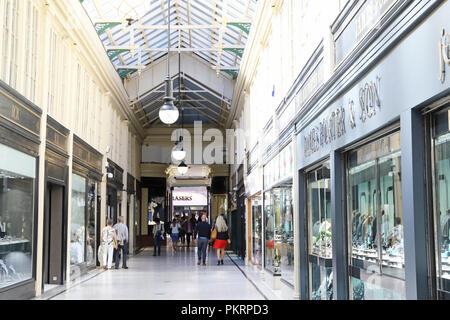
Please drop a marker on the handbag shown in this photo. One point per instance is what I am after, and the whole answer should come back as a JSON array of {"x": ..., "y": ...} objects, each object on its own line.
[{"x": 214, "y": 234}]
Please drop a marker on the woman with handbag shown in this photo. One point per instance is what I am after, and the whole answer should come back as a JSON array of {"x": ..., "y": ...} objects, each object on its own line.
[
  {"x": 108, "y": 240},
  {"x": 222, "y": 238}
]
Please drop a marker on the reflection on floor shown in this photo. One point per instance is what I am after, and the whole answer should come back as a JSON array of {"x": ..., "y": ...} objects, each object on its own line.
[{"x": 171, "y": 276}]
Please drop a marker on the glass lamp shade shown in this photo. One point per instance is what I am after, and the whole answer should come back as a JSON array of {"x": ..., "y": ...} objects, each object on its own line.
[
  {"x": 178, "y": 154},
  {"x": 182, "y": 168},
  {"x": 169, "y": 113}
]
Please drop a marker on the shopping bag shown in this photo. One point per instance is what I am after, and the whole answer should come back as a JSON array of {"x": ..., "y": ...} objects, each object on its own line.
[
  {"x": 100, "y": 254},
  {"x": 214, "y": 234}
]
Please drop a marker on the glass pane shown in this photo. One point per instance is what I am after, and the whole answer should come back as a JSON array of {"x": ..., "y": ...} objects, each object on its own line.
[
  {"x": 77, "y": 229},
  {"x": 442, "y": 211},
  {"x": 276, "y": 205},
  {"x": 269, "y": 222},
  {"x": 376, "y": 218},
  {"x": 319, "y": 212},
  {"x": 17, "y": 190},
  {"x": 362, "y": 205},
  {"x": 321, "y": 282},
  {"x": 287, "y": 233},
  {"x": 91, "y": 227},
  {"x": 391, "y": 215},
  {"x": 372, "y": 288},
  {"x": 256, "y": 231}
]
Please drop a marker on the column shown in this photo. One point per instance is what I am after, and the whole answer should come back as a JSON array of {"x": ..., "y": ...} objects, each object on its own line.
[
  {"x": 302, "y": 225},
  {"x": 45, "y": 25},
  {"x": 338, "y": 224},
  {"x": 295, "y": 203},
  {"x": 414, "y": 204}
]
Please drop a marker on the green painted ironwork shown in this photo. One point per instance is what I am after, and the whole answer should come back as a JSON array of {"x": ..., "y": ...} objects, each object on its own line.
[
  {"x": 233, "y": 73},
  {"x": 239, "y": 52},
  {"x": 100, "y": 27},
  {"x": 123, "y": 72},
  {"x": 112, "y": 53},
  {"x": 241, "y": 25}
]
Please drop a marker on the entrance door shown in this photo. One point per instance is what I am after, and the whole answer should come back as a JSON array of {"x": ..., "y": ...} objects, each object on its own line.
[{"x": 53, "y": 263}]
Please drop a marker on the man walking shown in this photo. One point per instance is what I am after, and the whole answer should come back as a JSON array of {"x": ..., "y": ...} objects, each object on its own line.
[
  {"x": 122, "y": 239},
  {"x": 203, "y": 231}
]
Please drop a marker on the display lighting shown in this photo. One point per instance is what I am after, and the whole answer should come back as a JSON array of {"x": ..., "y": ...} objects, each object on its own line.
[{"x": 168, "y": 113}]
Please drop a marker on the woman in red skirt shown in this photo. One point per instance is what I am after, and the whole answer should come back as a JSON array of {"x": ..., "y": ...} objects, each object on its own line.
[{"x": 222, "y": 238}]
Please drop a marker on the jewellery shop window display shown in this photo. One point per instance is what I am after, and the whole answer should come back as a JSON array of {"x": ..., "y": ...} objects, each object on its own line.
[
  {"x": 441, "y": 176},
  {"x": 280, "y": 231},
  {"x": 319, "y": 231},
  {"x": 91, "y": 235},
  {"x": 17, "y": 198},
  {"x": 256, "y": 230},
  {"x": 78, "y": 221},
  {"x": 375, "y": 220}
]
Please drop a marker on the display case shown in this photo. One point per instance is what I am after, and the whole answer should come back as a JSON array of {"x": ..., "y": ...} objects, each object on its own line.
[
  {"x": 78, "y": 221},
  {"x": 375, "y": 219},
  {"x": 256, "y": 204},
  {"x": 17, "y": 202},
  {"x": 441, "y": 181},
  {"x": 319, "y": 232}
]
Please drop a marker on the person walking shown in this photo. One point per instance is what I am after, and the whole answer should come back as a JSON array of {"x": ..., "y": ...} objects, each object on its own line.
[
  {"x": 122, "y": 240},
  {"x": 222, "y": 238},
  {"x": 203, "y": 231},
  {"x": 157, "y": 237},
  {"x": 108, "y": 239},
  {"x": 183, "y": 230},
  {"x": 175, "y": 226},
  {"x": 189, "y": 229}
]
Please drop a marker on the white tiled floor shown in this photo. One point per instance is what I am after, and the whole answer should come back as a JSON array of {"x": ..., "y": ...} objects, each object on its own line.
[{"x": 171, "y": 276}]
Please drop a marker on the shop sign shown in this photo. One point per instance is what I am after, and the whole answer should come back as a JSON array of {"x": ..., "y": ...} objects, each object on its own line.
[
  {"x": 314, "y": 81},
  {"x": 279, "y": 168},
  {"x": 444, "y": 53},
  {"x": 15, "y": 112},
  {"x": 333, "y": 126},
  {"x": 190, "y": 196},
  {"x": 365, "y": 19},
  {"x": 57, "y": 138}
]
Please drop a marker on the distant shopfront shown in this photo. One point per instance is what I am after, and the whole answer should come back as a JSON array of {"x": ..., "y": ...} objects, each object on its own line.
[{"x": 278, "y": 215}]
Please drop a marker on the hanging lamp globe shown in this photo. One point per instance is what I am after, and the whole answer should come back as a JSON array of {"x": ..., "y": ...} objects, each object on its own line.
[
  {"x": 169, "y": 113},
  {"x": 178, "y": 154},
  {"x": 182, "y": 168}
]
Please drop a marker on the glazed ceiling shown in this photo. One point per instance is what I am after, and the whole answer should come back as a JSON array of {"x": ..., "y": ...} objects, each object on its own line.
[{"x": 135, "y": 33}]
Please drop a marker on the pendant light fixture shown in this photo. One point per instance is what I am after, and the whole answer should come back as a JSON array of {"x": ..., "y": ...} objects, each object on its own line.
[
  {"x": 182, "y": 168},
  {"x": 168, "y": 113},
  {"x": 178, "y": 153}
]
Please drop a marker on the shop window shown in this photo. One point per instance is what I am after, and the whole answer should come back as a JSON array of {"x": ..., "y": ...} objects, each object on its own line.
[
  {"x": 257, "y": 230},
  {"x": 78, "y": 221},
  {"x": 441, "y": 174},
  {"x": 319, "y": 233},
  {"x": 91, "y": 224},
  {"x": 17, "y": 198},
  {"x": 375, "y": 220}
]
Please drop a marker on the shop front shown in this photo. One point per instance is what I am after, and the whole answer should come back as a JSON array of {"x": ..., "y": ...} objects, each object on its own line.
[
  {"x": 253, "y": 186},
  {"x": 278, "y": 215},
  {"x": 366, "y": 143},
  {"x": 190, "y": 202},
  {"x": 54, "y": 260},
  {"x": 85, "y": 201},
  {"x": 114, "y": 189},
  {"x": 19, "y": 153}
]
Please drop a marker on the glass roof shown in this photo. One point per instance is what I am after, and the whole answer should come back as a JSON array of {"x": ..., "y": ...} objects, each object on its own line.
[{"x": 135, "y": 32}]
